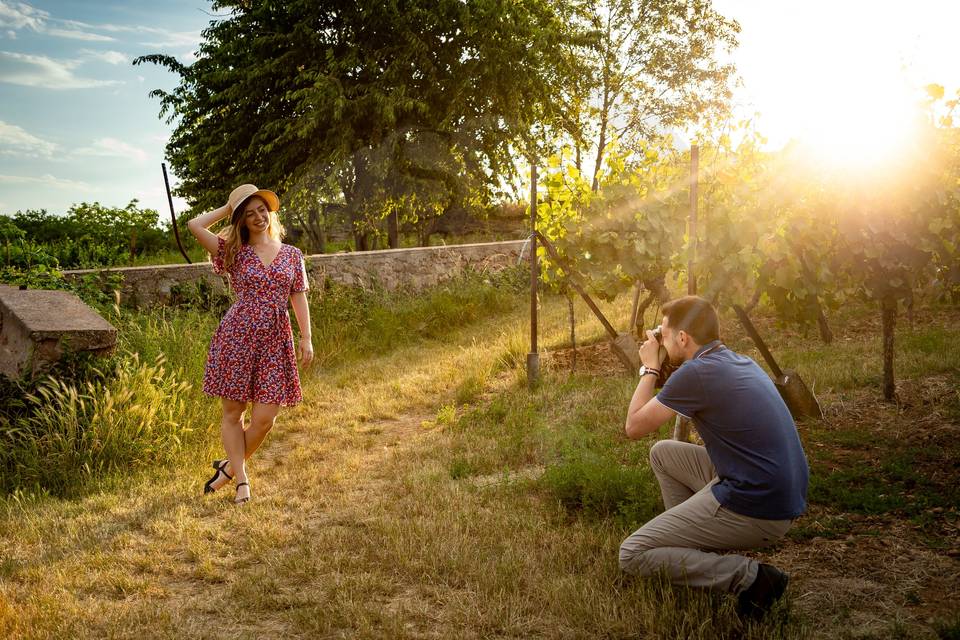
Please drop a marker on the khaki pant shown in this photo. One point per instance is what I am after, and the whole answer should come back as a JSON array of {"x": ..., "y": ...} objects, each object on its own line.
[{"x": 680, "y": 540}]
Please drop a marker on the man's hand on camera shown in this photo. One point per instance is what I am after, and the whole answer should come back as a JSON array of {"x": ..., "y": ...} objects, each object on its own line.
[{"x": 650, "y": 352}]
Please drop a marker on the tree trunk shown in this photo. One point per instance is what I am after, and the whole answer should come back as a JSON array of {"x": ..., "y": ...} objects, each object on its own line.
[
  {"x": 825, "y": 333},
  {"x": 393, "y": 229},
  {"x": 639, "y": 318},
  {"x": 604, "y": 117},
  {"x": 361, "y": 240},
  {"x": 754, "y": 301},
  {"x": 888, "y": 317},
  {"x": 573, "y": 332},
  {"x": 602, "y": 142},
  {"x": 315, "y": 229}
]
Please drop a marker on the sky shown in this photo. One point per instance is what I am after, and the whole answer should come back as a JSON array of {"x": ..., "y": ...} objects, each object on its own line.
[{"x": 77, "y": 123}]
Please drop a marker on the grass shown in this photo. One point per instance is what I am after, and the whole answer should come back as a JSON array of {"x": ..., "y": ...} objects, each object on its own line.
[{"x": 423, "y": 491}]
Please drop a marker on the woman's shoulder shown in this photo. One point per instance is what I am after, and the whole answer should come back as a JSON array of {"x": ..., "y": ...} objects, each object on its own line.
[{"x": 291, "y": 248}]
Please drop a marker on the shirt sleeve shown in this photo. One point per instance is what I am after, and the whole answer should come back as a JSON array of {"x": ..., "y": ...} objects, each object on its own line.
[
  {"x": 300, "y": 280},
  {"x": 683, "y": 391},
  {"x": 217, "y": 260}
]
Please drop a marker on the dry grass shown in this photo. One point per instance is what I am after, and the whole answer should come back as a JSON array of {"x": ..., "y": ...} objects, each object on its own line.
[{"x": 403, "y": 500}]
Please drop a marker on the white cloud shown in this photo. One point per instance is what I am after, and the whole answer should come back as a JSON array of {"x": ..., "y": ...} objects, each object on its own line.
[
  {"x": 47, "y": 180},
  {"x": 16, "y": 141},
  {"x": 162, "y": 37},
  {"x": 41, "y": 71},
  {"x": 19, "y": 15},
  {"x": 110, "y": 57},
  {"x": 78, "y": 35},
  {"x": 113, "y": 148}
]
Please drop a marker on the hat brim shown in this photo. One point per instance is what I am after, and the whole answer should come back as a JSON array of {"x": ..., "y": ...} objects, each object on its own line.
[{"x": 269, "y": 197}]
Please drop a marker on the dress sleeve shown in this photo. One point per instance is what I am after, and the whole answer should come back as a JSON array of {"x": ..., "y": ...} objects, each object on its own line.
[
  {"x": 217, "y": 260},
  {"x": 300, "y": 280}
]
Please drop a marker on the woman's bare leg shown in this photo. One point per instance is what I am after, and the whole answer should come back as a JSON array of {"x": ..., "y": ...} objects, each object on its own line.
[
  {"x": 232, "y": 434},
  {"x": 262, "y": 418}
]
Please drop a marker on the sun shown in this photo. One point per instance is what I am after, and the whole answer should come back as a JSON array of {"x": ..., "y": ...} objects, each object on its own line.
[
  {"x": 857, "y": 125},
  {"x": 843, "y": 81}
]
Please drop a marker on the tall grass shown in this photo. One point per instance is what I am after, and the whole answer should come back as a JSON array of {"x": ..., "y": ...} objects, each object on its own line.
[
  {"x": 144, "y": 405},
  {"x": 73, "y": 432}
]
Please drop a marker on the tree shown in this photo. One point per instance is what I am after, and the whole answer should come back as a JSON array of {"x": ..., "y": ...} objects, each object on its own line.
[
  {"x": 651, "y": 65},
  {"x": 358, "y": 104}
]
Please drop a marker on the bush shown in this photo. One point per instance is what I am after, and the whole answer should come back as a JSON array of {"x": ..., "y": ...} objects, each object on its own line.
[
  {"x": 603, "y": 488},
  {"x": 70, "y": 431},
  {"x": 349, "y": 322}
]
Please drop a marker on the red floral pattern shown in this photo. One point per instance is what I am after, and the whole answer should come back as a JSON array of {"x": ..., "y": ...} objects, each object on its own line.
[{"x": 251, "y": 356}]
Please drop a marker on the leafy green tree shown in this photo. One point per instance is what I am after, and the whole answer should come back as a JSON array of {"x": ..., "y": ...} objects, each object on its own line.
[
  {"x": 349, "y": 107},
  {"x": 900, "y": 228},
  {"x": 651, "y": 65},
  {"x": 626, "y": 232}
]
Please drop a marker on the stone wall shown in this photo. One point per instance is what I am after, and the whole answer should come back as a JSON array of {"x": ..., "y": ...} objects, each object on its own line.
[{"x": 392, "y": 269}]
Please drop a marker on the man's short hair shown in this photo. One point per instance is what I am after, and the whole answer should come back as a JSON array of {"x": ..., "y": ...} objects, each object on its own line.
[{"x": 694, "y": 315}]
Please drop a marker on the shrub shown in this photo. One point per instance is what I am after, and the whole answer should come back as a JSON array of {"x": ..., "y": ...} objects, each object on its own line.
[
  {"x": 70, "y": 431},
  {"x": 602, "y": 488}
]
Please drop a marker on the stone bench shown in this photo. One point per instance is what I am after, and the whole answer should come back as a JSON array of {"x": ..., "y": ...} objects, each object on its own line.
[{"x": 37, "y": 327}]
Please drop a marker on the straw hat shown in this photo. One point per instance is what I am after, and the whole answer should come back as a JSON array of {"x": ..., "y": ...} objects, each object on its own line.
[{"x": 246, "y": 191}]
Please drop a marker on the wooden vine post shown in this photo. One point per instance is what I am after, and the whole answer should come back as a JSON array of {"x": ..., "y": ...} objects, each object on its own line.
[
  {"x": 681, "y": 428},
  {"x": 533, "y": 358}
]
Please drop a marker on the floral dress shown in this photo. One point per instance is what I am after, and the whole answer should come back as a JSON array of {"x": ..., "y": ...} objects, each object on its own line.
[{"x": 251, "y": 356}]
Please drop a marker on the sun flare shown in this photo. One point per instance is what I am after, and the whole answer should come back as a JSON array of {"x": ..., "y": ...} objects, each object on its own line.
[
  {"x": 843, "y": 80},
  {"x": 857, "y": 127}
]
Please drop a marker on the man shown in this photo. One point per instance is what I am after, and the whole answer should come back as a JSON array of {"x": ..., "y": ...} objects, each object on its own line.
[{"x": 742, "y": 490}]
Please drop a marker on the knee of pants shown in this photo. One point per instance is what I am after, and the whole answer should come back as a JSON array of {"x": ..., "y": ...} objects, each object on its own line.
[
  {"x": 631, "y": 553},
  {"x": 656, "y": 452}
]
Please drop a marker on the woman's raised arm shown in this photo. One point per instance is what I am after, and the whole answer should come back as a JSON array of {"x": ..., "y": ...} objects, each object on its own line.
[{"x": 198, "y": 227}]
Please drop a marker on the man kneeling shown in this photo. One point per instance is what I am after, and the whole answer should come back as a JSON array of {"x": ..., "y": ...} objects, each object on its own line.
[{"x": 742, "y": 490}]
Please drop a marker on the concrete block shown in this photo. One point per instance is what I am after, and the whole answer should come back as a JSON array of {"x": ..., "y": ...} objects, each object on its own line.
[{"x": 38, "y": 326}]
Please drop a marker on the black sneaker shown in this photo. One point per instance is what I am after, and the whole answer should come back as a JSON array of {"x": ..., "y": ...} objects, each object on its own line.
[{"x": 758, "y": 599}]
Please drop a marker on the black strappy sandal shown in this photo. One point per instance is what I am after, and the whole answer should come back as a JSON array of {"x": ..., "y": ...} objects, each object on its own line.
[
  {"x": 220, "y": 466},
  {"x": 239, "y": 500}
]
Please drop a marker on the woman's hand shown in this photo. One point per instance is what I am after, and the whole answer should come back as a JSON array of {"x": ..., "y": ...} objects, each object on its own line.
[{"x": 305, "y": 350}]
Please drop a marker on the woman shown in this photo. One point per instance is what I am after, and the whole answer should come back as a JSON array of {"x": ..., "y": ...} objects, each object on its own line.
[{"x": 252, "y": 358}]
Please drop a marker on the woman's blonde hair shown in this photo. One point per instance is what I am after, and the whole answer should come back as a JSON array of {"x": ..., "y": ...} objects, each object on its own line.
[{"x": 237, "y": 234}]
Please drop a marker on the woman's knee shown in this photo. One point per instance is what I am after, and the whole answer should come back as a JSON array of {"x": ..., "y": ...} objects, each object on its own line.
[
  {"x": 233, "y": 414},
  {"x": 263, "y": 423}
]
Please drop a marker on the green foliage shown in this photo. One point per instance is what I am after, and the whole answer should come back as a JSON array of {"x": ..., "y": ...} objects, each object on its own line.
[
  {"x": 603, "y": 488},
  {"x": 365, "y": 108},
  {"x": 349, "y": 322},
  {"x": 652, "y": 65},
  {"x": 72, "y": 431},
  {"x": 623, "y": 234},
  {"x": 87, "y": 236}
]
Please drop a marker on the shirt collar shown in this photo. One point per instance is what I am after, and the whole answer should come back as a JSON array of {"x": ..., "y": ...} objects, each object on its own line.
[{"x": 706, "y": 347}]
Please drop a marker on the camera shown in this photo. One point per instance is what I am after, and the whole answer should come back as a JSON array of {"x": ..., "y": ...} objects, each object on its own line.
[{"x": 666, "y": 368}]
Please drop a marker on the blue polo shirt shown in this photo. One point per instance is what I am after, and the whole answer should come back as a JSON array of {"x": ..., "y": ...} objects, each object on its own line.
[{"x": 747, "y": 429}]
